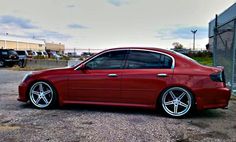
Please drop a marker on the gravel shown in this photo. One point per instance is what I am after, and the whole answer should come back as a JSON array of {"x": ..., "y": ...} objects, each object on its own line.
[{"x": 20, "y": 122}]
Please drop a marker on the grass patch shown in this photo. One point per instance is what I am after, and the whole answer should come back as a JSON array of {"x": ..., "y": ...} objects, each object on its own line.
[
  {"x": 204, "y": 60},
  {"x": 17, "y": 68}
]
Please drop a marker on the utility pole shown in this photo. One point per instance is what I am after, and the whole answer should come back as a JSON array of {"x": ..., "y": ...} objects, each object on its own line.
[{"x": 194, "y": 33}]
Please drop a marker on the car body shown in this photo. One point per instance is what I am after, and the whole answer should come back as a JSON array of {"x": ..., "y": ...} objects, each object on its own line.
[
  {"x": 29, "y": 53},
  {"x": 45, "y": 54},
  {"x": 22, "y": 54},
  {"x": 55, "y": 55},
  {"x": 34, "y": 53},
  {"x": 22, "y": 58},
  {"x": 8, "y": 57},
  {"x": 131, "y": 77}
]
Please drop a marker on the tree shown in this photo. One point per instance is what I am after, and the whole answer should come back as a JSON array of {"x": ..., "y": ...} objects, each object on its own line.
[{"x": 177, "y": 45}]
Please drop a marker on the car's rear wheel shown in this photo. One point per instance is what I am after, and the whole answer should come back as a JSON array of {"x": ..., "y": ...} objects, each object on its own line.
[
  {"x": 176, "y": 102},
  {"x": 42, "y": 95}
]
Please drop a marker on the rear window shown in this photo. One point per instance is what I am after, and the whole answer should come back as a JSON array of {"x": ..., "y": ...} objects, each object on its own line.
[
  {"x": 20, "y": 52},
  {"x": 186, "y": 57}
]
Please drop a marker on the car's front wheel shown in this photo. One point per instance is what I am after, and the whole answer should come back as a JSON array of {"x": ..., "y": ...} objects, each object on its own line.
[
  {"x": 176, "y": 102},
  {"x": 42, "y": 95}
]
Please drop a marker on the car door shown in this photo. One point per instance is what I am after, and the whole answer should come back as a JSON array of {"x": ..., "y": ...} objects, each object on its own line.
[
  {"x": 145, "y": 75},
  {"x": 99, "y": 80}
]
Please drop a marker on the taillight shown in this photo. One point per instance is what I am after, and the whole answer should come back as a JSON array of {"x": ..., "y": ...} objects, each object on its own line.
[{"x": 218, "y": 77}]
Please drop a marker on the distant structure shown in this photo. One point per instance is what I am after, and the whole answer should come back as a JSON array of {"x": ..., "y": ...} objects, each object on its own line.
[
  {"x": 19, "y": 43},
  {"x": 222, "y": 42},
  {"x": 56, "y": 47}
]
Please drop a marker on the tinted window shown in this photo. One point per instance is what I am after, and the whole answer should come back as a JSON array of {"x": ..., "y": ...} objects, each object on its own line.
[
  {"x": 109, "y": 60},
  {"x": 39, "y": 53},
  {"x": 4, "y": 52},
  {"x": 148, "y": 60},
  {"x": 12, "y": 52},
  {"x": 20, "y": 52}
]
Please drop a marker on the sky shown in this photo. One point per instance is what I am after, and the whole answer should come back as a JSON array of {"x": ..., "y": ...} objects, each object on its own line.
[{"x": 102, "y": 24}]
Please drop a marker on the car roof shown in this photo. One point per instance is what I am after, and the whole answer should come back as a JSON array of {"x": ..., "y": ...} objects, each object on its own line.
[{"x": 143, "y": 48}]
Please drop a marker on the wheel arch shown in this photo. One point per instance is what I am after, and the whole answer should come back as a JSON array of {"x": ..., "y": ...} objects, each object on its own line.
[
  {"x": 157, "y": 105},
  {"x": 46, "y": 81}
]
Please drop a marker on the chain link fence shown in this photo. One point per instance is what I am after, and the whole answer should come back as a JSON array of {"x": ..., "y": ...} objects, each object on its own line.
[{"x": 224, "y": 46}]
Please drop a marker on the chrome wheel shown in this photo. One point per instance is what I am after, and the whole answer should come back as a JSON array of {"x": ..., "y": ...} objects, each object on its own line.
[
  {"x": 41, "y": 94},
  {"x": 176, "y": 101}
]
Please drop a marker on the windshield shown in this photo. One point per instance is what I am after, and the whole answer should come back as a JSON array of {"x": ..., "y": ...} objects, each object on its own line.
[{"x": 12, "y": 52}]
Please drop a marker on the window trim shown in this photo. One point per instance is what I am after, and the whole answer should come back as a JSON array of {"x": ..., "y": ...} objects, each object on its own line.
[
  {"x": 155, "y": 52},
  {"x": 123, "y": 62},
  {"x": 129, "y": 49}
]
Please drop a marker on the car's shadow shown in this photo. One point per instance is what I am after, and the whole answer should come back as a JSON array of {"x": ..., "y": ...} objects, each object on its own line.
[{"x": 211, "y": 113}]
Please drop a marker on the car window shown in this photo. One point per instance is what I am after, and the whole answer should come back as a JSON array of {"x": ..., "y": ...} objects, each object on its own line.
[
  {"x": 4, "y": 52},
  {"x": 148, "y": 60},
  {"x": 109, "y": 60},
  {"x": 12, "y": 52},
  {"x": 20, "y": 52},
  {"x": 39, "y": 53}
]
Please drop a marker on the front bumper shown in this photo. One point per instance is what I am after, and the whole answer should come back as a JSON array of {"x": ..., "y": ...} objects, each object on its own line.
[
  {"x": 212, "y": 98},
  {"x": 23, "y": 97}
]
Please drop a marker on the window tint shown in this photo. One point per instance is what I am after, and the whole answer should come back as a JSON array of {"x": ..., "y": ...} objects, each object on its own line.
[
  {"x": 148, "y": 60},
  {"x": 20, "y": 52},
  {"x": 109, "y": 60},
  {"x": 4, "y": 53}
]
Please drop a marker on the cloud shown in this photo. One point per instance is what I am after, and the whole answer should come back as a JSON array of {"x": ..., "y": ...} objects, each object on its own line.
[
  {"x": 70, "y": 6},
  {"x": 117, "y": 2},
  {"x": 182, "y": 33},
  {"x": 16, "y": 22},
  {"x": 49, "y": 35},
  {"x": 77, "y": 26}
]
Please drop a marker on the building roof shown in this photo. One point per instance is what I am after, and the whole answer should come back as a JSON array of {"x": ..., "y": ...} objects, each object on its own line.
[{"x": 21, "y": 39}]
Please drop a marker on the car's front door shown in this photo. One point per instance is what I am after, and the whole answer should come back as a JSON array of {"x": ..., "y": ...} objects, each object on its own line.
[
  {"x": 145, "y": 75},
  {"x": 99, "y": 80}
]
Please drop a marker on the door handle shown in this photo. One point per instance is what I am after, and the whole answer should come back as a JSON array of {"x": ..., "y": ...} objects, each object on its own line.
[
  {"x": 162, "y": 75},
  {"x": 112, "y": 75}
]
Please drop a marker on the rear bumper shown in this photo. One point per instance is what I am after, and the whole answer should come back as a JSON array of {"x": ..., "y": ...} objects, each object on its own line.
[
  {"x": 212, "y": 98},
  {"x": 22, "y": 89}
]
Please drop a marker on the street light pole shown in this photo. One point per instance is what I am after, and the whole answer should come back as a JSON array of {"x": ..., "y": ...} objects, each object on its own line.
[{"x": 194, "y": 33}]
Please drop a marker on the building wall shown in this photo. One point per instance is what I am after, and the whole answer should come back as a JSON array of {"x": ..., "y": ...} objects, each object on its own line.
[
  {"x": 55, "y": 47},
  {"x": 1, "y": 44},
  {"x": 11, "y": 45},
  {"x": 22, "y": 45}
]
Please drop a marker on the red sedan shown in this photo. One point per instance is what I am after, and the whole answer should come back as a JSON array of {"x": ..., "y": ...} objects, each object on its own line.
[{"x": 131, "y": 77}]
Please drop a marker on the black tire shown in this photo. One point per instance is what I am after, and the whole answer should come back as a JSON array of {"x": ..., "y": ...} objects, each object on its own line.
[
  {"x": 21, "y": 63},
  {"x": 2, "y": 63},
  {"x": 37, "y": 95},
  {"x": 176, "y": 102}
]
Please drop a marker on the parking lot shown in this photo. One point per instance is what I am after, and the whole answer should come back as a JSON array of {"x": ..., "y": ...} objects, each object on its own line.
[{"x": 21, "y": 122}]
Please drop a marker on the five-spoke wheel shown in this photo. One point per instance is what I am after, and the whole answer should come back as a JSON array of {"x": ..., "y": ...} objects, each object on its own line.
[
  {"x": 42, "y": 95},
  {"x": 176, "y": 101}
]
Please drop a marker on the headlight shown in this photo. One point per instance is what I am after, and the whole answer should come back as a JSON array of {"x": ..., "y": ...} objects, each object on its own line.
[{"x": 26, "y": 76}]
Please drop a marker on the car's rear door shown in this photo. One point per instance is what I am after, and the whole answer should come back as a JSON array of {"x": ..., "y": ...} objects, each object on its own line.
[{"x": 145, "y": 75}]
